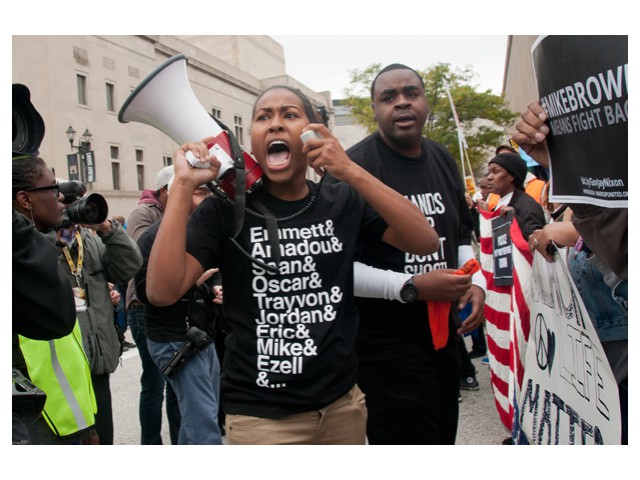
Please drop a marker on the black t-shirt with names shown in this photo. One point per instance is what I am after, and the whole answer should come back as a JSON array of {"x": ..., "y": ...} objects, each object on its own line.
[
  {"x": 433, "y": 182},
  {"x": 291, "y": 343}
]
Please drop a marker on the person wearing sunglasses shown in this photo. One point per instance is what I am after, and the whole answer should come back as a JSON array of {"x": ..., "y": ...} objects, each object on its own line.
[
  {"x": 46, "y": 334},
  {"x": 36, "y": 193}
]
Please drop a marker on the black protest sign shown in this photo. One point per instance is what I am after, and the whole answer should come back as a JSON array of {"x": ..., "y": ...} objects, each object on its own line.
[
  {"x": 502, "y": 254},
  {"x": 582, "y": 85}
]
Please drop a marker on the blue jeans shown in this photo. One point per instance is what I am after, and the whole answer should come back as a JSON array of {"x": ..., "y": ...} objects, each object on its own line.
[
  {"x": 607, "y": 308},
  {"x": 197, "y": 386},
  {"x": 152, "y": 384},
  {"x": 609, "y": 317}
]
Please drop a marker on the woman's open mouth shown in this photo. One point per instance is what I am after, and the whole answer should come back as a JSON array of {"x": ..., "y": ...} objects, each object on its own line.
[{"x": 278, "y": 154}]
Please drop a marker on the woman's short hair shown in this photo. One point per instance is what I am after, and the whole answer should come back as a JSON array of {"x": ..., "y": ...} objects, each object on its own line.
[{"x": 25, "y": 172}]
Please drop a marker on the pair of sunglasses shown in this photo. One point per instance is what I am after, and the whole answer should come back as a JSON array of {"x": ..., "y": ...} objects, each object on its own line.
[{"x": 55, "y": 187}]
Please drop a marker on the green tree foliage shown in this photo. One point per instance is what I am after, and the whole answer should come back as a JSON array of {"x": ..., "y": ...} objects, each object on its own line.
[{"x": 483, "y": 116}]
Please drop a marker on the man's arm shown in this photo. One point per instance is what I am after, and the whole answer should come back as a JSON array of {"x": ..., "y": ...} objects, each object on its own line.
[{"x": 371, "y": 282}]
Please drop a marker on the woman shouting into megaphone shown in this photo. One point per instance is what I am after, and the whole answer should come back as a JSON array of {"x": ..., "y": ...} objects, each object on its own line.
[{"x": 289, "y": 371}]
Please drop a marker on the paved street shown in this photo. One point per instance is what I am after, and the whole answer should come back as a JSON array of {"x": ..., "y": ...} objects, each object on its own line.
[{"x": 479, "y": 423}]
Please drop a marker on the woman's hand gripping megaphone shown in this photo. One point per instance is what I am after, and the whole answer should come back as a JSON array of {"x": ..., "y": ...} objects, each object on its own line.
[
  {"x": 208, "y": 165},
  {"x": 195, "y": 162}
]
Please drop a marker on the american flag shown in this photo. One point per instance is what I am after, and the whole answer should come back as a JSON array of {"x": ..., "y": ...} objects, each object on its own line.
[{"x": 508, "y": 319}]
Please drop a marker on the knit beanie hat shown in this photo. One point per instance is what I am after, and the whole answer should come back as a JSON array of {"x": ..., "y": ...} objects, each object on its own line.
[{"x": 513, "y": 164}]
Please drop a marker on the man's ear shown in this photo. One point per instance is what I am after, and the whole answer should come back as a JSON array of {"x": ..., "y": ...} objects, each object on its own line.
[
  {"x": 373, "y": 109},
  {"x": 24, "y": 200}
]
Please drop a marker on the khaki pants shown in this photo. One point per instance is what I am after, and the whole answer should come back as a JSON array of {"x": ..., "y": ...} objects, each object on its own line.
[{"x": 343, "y": 422}]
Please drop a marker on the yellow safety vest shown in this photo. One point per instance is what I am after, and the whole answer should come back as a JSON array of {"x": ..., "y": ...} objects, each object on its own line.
[{"x": 60, "y": 369}]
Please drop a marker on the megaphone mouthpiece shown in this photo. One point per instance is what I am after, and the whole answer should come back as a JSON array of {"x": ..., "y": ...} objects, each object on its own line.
[{"x": 165, "y": 101}]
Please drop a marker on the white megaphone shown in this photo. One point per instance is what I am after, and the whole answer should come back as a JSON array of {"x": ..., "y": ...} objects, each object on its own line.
[{"x": 164, "y": 100}]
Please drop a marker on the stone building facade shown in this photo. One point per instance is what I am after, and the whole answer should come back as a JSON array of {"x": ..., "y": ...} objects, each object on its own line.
[{"x": 82, "y": 82}]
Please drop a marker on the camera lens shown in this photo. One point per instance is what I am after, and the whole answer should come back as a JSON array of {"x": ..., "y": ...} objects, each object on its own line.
[
  {"x": 19, "y": 131},
  {"x": 23, "y": 140},
  {"x": 27, "y": 124},
  {"x": 89, "y": 210},
  {"x": 94, "y": 212}
]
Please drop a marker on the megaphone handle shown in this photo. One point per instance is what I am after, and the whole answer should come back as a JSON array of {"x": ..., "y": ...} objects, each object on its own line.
[
  {"x": 194, "y": 162},
  {"x": 226, "y": 163}
]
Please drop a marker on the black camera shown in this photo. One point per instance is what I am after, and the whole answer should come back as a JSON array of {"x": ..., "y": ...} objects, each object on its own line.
[
  {"x": 89, "y": 209},
  {"x": 196, "y": 340},
  {"x": 28, "y": 126},
  {"x": 27, "y": 400}
]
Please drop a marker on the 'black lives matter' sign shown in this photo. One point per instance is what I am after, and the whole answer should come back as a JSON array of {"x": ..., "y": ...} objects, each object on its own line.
[{"x": 582, "y": 85}]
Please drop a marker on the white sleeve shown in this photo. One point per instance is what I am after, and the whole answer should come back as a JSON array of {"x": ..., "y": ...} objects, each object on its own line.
[
  {"x": 465, "y": 253},
  {"x": 371, "y": 282}
]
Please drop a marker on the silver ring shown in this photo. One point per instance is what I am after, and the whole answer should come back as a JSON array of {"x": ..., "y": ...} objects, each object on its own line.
[{"x": 535, "y": 242}]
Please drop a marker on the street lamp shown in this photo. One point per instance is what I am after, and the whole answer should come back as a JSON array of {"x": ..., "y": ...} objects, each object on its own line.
[
  {"x": 84, "y": 159},
  {"x": 83, "y": 146}
]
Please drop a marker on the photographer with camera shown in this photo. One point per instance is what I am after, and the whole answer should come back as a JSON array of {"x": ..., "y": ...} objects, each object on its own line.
[
  {"x": 43, "y": 306},
  {"x": 91, "y": 261},
  {"x": 47, "y": 407},
  {"x": 51, "y": 358},
  {"x": 180, "y": 342}
]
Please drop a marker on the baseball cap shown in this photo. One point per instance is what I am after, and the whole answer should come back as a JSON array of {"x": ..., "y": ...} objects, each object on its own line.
[
  {"x": 204, "y": 185},
  {"x": 163, "y": 177}
]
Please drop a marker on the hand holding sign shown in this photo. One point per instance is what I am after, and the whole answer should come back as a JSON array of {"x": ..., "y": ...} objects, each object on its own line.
[
  {"x": 582, "y": 117},
  {"x": 532, "y": 133}
]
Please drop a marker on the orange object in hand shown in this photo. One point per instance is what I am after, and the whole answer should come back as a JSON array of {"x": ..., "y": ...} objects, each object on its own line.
[
  {"x": 469, "y": 268},
  {"x": 439, "y": 311}
]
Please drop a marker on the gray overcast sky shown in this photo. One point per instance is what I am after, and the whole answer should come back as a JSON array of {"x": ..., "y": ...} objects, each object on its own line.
[{"x": 323, "y": 62}]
